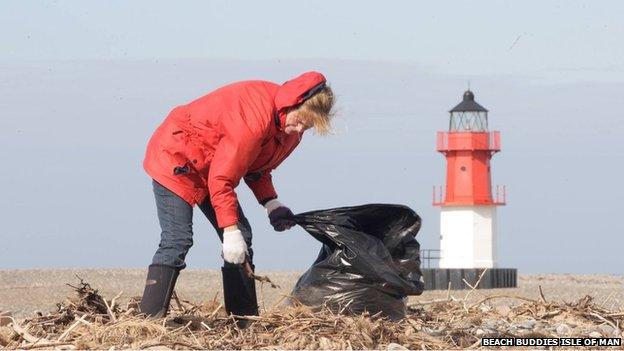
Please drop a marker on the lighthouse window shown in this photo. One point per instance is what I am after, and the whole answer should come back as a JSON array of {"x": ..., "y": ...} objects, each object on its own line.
[{"x": 468, "y": 121}]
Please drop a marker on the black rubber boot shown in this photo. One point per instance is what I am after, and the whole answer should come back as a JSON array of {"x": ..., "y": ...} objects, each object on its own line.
[
  {"x": 239, "y": 293},
  {"x": 158, "y": 290}
]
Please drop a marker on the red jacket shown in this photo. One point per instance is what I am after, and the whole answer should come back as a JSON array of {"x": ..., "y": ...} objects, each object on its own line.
[{"x": 205, "y": 147}]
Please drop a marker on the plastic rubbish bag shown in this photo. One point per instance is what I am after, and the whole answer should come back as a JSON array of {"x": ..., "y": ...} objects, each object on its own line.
[{"x": 369, "y": 261}]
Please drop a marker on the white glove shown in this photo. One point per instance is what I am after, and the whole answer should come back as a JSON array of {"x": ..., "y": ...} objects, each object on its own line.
[{"x": 234, "y": 247}]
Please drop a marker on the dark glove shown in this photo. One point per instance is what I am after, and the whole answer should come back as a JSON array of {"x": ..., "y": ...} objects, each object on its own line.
[{"x": 280, "y": 216}]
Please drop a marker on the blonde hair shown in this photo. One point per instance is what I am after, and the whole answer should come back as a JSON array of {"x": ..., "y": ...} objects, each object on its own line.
[{"x": 317, "y": 110}]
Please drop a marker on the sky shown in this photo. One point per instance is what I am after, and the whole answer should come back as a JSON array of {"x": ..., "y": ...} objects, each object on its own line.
[{"x": 84, "y": 84}]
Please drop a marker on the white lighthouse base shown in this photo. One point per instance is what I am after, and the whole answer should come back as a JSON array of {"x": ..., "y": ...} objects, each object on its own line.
[{"x": 468, "y": 237}]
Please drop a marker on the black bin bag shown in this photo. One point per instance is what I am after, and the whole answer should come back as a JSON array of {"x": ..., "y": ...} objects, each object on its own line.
[{"x": 369, "y": 261}]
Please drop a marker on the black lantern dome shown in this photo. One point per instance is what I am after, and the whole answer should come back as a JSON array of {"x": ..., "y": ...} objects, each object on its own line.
[
  {"x": 468, "y": 104},
  {"x": 468, "y": 115}
]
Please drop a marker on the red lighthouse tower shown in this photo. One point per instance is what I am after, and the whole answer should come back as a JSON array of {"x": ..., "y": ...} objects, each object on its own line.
[{"x": 468, "y": 207}]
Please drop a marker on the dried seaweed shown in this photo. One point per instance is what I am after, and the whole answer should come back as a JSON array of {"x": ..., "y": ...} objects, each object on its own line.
[{"x": 89, "y": 321}]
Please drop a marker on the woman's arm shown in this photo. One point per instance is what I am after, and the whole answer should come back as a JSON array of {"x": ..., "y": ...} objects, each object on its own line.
[
  {"x": 239, "y": 146},
  {"x": 261, "y": 186}
]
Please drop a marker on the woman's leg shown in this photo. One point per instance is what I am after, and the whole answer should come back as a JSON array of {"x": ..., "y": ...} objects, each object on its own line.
[
  {"x": 239, "y": 290},
  {"x": 176, "y": 222}
]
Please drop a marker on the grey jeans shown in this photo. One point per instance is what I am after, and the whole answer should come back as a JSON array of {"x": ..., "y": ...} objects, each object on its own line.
[{"x": 176, "y": 222}]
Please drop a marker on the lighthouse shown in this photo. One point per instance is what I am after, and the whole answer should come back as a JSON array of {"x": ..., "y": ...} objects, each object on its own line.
[{"x": 468, "y": 204}]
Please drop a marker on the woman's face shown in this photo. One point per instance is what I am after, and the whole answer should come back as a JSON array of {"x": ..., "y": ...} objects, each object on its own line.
[{"x": 295, "y": 123}]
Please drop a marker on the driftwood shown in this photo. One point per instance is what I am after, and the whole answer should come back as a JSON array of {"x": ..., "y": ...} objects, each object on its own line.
[
  {"x": 261, "y": 278},
  {"x": 26, "y": 336}
]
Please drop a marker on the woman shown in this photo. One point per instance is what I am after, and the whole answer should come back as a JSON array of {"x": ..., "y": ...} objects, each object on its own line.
[{"x": 198, "y": 156}]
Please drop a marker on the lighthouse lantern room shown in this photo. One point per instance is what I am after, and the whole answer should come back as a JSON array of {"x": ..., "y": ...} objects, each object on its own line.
[{"x": 468, "y": 205}]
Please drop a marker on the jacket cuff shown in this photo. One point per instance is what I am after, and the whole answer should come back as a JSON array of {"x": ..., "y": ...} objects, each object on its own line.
[
  {"x": 226, "y": 217},
  {"x": 267, "y": 200},
  {"x": 264, "y": 194}
]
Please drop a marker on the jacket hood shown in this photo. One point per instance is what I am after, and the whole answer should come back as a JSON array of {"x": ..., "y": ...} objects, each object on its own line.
[{"x": 293, "y": 91}]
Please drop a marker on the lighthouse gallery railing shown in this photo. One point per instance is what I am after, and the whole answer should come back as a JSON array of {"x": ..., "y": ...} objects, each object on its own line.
[{"x": 468, "y": 141}]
